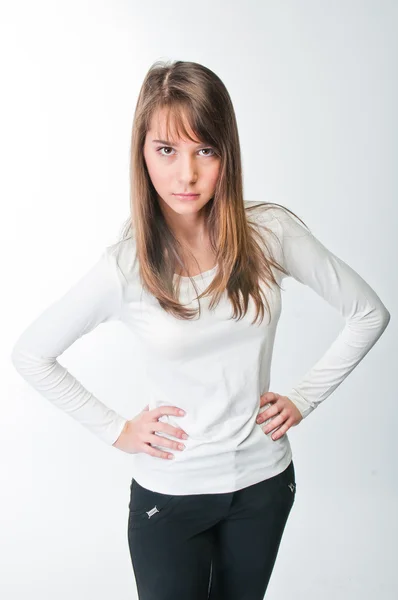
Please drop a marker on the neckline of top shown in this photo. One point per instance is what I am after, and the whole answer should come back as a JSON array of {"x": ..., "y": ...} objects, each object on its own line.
[{"x": 197, "y": 277}]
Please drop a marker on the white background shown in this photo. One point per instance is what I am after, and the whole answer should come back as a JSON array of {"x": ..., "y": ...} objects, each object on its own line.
[{"x": 314, "y": 87}]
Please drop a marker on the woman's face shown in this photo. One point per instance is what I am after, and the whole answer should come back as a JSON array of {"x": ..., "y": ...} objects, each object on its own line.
[{"x": 178, "y": 167}]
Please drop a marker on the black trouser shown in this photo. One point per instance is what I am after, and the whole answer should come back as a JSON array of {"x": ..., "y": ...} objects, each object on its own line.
[{"x": 217, "y": 546}]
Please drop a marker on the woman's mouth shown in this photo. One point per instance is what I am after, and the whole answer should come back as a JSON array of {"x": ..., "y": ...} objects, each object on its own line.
[{"x": 187, "y": 196}]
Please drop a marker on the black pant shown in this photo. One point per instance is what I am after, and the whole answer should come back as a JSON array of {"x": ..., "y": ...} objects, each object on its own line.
[{"x": 216, "y": 546}]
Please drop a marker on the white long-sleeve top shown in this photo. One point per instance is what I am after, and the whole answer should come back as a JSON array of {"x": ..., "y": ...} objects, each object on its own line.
[{"x": 214, "y": 367}]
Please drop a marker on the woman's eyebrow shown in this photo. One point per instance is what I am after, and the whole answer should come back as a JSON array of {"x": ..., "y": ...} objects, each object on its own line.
[{"x": 169, "y": 143}]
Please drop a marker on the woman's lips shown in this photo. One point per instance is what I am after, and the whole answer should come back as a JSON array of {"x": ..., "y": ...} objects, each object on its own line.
[{"x": 187, "y": 196}]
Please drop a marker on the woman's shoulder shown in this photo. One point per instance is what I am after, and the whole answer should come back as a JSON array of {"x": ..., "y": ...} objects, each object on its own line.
[
  {"x": 123, "y": 256},
  {"x": 265, "y": 212},
  {"x": 277, "y": 218}
]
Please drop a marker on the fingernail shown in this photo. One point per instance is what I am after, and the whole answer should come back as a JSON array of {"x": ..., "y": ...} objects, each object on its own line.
[
  {"x": 182, "y": 412},
  {"x": 184, "y": 436}
]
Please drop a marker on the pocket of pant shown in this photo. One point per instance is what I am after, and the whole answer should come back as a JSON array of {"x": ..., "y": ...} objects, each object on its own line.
[
  {"x": 146, "y": 505},
  {"x": 287, "y": 479}
]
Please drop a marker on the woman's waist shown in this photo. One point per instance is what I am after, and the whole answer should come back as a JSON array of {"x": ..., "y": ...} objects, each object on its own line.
[
  {"x": 201, "y": 453},
  {"x": 213, "y": 466}
]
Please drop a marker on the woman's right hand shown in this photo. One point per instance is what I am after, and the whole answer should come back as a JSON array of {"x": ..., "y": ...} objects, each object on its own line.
[{"x": 138, "y": 433}]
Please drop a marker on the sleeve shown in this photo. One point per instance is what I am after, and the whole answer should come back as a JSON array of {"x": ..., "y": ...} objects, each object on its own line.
[
  {"x": 312, "y": 264},
  {"x": 95, "y": 298}
]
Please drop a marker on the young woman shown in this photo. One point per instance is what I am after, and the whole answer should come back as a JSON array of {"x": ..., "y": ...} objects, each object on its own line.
[{"x": 197, "y": 276}]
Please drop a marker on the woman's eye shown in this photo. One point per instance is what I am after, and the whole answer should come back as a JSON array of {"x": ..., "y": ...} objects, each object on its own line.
[
  {"x": 169, "y": 148},
  {"x": 211, "y": 150},
  {"x": 163, "y": 148}
]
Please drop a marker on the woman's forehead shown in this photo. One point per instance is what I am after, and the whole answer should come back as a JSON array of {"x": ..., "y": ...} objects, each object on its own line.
[{"x": 165, "y": 125}]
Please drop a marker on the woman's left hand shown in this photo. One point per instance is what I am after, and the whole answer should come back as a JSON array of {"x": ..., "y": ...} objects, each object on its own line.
[{"x": 283, "y": 412}]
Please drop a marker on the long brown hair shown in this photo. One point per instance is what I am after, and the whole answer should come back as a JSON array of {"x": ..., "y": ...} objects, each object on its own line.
[{"x": 192, "y": 93}]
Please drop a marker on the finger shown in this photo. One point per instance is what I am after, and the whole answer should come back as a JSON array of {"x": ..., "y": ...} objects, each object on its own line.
[
  {"x": 269, "y": 402},
  {"x": 159, "y": 411},
  {"x": 146, "y": 408},
  {"x": 268, "y": 413},
  {"x": 160, "y": 440},
  {"x": 268, "y": 397},
  {"x": 281, "y": 431},
  {"x": 158, "y": 453},
  {"x": 274, "y": 423},
  {"x": 276, "y": 435},
  {"x": 167, "y": 428}
]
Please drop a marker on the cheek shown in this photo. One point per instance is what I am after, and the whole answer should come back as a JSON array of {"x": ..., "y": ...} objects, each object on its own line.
[
  {"x": 213, "y": 176},
  {"x": 156, "y": 173}
]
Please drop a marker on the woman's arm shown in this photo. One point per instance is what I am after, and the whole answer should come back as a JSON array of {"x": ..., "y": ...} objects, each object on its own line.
[
  {"x": 94, "y": 299},
  {"x": 309, "y": 262}
]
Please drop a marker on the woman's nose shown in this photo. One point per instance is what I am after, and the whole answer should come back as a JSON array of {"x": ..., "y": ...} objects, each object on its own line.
[{"x": 187, "y": 171}]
